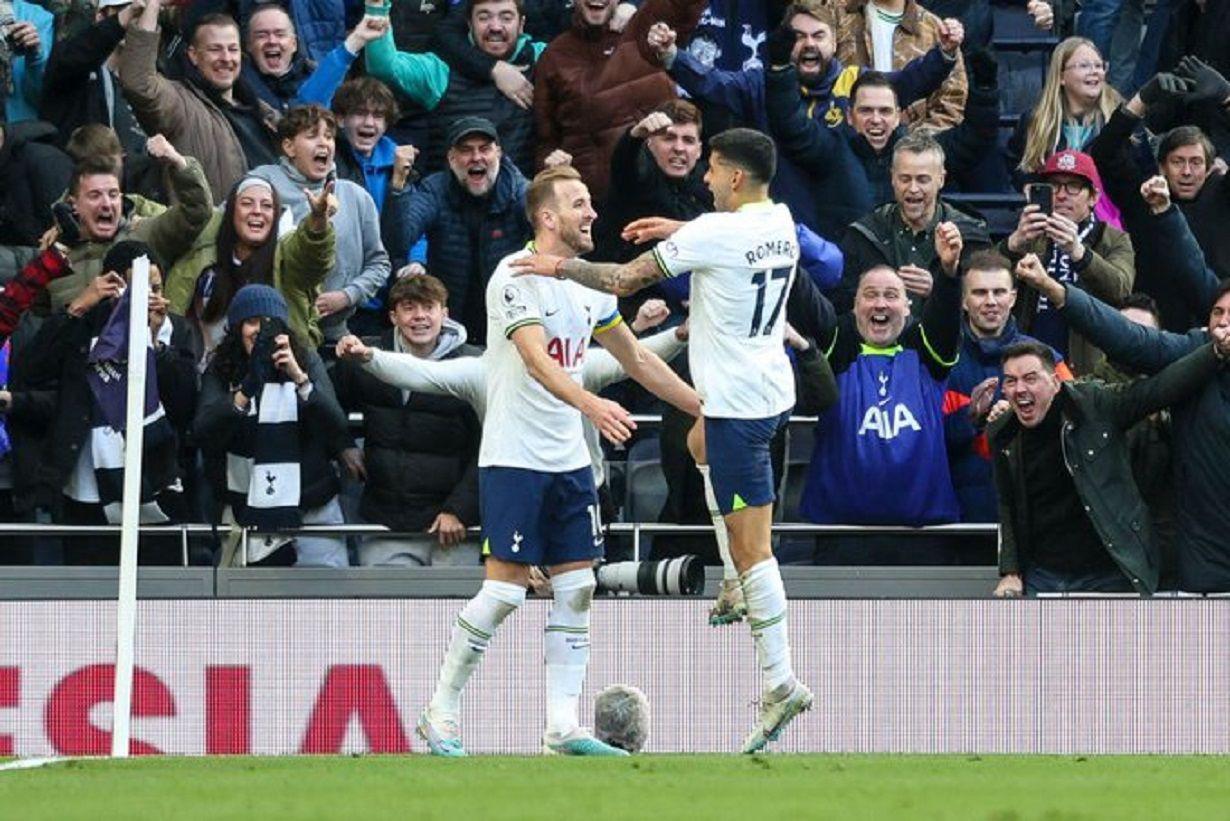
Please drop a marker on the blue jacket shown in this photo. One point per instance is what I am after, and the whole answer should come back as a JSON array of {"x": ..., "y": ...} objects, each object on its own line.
[
  {"x": 466, "y": 237},
  {"x": 969, "y": 455},
  {"x": 319, "y": 24},
  {"x": 22, "y": 103},
  {"x": 305, "y": 83},
  {"x": 743, "y": 92}
]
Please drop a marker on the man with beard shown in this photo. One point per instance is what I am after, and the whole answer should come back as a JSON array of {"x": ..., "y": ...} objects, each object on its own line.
[
  {"x": 824, "y": 87},
  {"x": 496, "y": 30},
  {"x": 1075, "y": 247},
  {"x": 209, "y": 114},
  {"x": 537, "y": 498},
  {"x": 361, "y": 265},
  {"x": 473, "y": 215},
  {"x": 592, "y": 83},
  {"x": 1071, "y": 516},
  {"x": 901, "y": 234},
  {"x": 850, "y": 163},
  {"x": 279, "y": 73}
]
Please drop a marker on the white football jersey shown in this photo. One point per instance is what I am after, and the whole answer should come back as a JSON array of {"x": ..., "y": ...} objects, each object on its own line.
[
  {"x": 527, "y": 427},
  {"x": 742, "y": 266}
]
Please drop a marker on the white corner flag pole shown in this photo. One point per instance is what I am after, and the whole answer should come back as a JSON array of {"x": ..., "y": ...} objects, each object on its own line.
[{"x": 134, "y": 430}]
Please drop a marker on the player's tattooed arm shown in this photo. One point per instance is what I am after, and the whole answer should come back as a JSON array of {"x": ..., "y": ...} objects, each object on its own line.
[{"x": 612, "y": 278}]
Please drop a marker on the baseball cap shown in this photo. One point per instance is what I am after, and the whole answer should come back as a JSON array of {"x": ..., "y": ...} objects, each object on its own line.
[
  {"x": 465, "y": 126},
  {"x": 106, "y": 4},
  {"x": 1074, "y": 163}
]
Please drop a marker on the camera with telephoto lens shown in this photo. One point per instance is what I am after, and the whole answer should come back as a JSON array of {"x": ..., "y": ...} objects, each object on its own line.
[
  {"x": 265, "y": 346},
  {"x": 680, "y": 576}
]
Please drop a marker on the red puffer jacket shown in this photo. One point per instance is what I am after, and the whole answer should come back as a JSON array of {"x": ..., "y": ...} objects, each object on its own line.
[{"x": 591, "y": 84}]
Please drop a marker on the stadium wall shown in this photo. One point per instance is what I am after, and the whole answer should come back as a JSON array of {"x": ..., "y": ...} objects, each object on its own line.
[{"x": 349, "y": 676}]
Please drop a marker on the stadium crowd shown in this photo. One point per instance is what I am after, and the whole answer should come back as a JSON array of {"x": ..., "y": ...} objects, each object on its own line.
[{"x": 298, "y": 173}]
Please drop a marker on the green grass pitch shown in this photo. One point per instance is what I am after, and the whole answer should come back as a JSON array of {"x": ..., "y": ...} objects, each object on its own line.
[{"x": 698, "y": 788}]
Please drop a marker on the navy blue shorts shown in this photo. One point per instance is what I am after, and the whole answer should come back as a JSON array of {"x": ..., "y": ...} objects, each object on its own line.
[
  {"x": 532, "y": 517},
  {"x": 739, "y": 463}
]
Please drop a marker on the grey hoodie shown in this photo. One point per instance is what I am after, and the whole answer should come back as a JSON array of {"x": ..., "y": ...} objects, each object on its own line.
[{"x": 362, "y": 265}]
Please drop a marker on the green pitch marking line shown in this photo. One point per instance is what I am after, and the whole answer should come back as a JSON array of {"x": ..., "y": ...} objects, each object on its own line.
[{"x": 991, "y": 788}]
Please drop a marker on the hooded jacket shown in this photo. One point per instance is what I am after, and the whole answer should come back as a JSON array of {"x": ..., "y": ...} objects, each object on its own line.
[
  {"x": 361, "y": 264},
  {"x": 420, "y": 450},
  {"x": 592, "y": 83}
]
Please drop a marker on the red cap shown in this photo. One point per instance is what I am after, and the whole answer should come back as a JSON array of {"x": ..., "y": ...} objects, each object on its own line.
[{"x": 1075, "y": 163}]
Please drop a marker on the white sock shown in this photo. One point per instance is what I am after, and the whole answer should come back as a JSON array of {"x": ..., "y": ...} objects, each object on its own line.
[
  {"x": 729, "y": 573},
  {"x": 766, "y": 610},
  {"x": 472, "y": 632},
  {"x": 567, "y": 648}
]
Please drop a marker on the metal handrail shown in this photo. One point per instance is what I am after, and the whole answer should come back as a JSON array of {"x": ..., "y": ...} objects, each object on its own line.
[{"x": 634, "y": 529}]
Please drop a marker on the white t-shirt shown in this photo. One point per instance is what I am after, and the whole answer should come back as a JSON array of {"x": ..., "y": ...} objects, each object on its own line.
[
  {"x": 742, "y": 265},
  {"x": 883, "y": 25},
  {"x": 527, "y": 427}
]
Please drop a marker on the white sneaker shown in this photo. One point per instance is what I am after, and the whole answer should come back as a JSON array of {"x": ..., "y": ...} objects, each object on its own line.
[
  {"x": 443, "y": 736},
  {"x": 775, "y": 714},
  {"x": 729, "y": 608},
  {"x": 578, "y": 742}
]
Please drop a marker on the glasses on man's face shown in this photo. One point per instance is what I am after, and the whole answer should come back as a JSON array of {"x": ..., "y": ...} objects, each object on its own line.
[
  {"x": 1086, "y": 67},
  {"x": 1070, "y": 187}
]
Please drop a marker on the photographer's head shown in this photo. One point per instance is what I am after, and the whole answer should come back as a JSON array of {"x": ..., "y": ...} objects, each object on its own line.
[
  {"x": 121, "y": 255},
  {"x": 621, "y": 717},
  {"x": 1074, "y": 178},
  {"x": 96, "y": 197},
  {"x": 252, "y": 305},
  {"x": 418, "y": 308}
]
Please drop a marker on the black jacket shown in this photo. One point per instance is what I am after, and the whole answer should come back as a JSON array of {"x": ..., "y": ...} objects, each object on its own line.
[
  {"x": 73, "y": 90},
  {"x": 322, "y": 435},
  {"x": 421, "y": 453},
  {"x": 852, "y": 177},
  {"x": 644, "y": 191},
  {"x": 33, "y": 175},
  {"x": 56, "y": 360},
  {"x": 1093, "y": 432},
  {"x": 870, "y": 241},
  {"x": 1207, "y": 216}
]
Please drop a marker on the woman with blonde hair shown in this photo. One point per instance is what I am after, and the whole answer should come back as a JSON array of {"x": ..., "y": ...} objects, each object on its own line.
[{"x": 1076, "y": 102}]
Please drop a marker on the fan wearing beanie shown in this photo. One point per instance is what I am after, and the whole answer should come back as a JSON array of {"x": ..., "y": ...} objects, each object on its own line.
[{"x": 269, "y": 426}]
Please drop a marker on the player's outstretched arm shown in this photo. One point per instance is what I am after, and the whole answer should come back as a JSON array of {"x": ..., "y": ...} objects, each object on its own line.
[
  {"x": 648, "y": 369},
  {"x": 610, "y": 277},
  {"x": 611, "y": 420}
]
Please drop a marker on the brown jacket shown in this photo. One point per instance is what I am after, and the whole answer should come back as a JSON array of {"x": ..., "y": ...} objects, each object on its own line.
[
  {"x": 917, "y": 33},
  {"x": 1108, "y": 276},
  {"x": 591, "y": 84},
  {"x": 181, "y": 113}
]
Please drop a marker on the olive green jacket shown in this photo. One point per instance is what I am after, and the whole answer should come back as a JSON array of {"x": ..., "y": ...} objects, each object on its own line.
[{"x": 300, "y": 264}]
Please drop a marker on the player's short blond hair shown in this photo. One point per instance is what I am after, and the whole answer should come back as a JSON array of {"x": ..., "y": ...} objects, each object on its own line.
[{"x": 541, "y": 192}]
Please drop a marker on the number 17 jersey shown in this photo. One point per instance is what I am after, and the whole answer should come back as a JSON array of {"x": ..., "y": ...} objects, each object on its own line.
[{"x": 742, "y": 263}]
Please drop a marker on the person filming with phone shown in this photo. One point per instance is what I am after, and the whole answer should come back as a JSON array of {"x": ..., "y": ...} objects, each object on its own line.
[{"x": 1059, "y": 225}]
